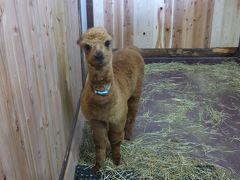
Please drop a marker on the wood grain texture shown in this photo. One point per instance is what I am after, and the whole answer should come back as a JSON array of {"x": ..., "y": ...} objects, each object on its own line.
[
  {"x": 74, "y": 151},
  {"x": 160, "y": 37},
  {"x": 118, "y": 24},
  {"x": 201, "y": 23},
  {"x": 178, "y": 23},
  {"x": 108, "y": 16},
  {"x": 40, "y": 77},
  {"x": 128, "y": 22},
  {"x": 226, "y": 23},
  {"x": 174, "y": 23},
  {"x": 98, "y": 13},
  {"x": 168, "y": 29},
  {"x": 209, "y": 23},
  {"x": 90, "y": 22},
  {"x": 190, "y": 52},
  {"x": 145, "y": 25}
]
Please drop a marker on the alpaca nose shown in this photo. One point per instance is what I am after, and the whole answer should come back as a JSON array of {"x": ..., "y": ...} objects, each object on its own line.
[{"x": 98, "y": 55}]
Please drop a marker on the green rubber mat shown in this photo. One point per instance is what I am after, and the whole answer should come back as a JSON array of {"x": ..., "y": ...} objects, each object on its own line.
[{"x": 84, "y": 172}]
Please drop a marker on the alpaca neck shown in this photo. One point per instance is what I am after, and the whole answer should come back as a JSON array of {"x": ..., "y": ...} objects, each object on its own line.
[{"x": 101, "y": 78}]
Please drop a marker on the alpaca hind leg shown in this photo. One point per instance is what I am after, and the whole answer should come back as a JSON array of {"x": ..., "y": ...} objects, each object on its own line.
[{"x": 131, "y": 116}]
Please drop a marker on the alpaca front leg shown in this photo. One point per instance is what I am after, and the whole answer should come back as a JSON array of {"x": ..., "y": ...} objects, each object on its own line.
[
  {"x": 115, "y": 138},
  {"x": 99, "y": 130},
  {"x": 100, "y": 157},
  {"x": 116, "y": 154}
]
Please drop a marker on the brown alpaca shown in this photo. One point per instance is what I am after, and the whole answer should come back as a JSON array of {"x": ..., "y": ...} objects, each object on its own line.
[{"x": 111, "y": 95}]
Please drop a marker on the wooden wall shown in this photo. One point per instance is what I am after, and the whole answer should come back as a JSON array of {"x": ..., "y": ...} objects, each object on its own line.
[
  {"x": 170, "y": 23},
  {"x": 40, "y": 82},
  {"x": 226, "y": 25}
]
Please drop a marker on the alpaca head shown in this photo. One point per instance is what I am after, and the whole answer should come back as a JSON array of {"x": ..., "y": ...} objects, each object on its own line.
[{"x": 96, "y": 43}]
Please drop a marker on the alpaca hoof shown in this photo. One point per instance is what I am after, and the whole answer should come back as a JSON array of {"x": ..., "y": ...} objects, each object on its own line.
[
  {"x": 117, "y": 161},
  {"x": 127, "y": 136},
  {"x": 96, "y": 168}
]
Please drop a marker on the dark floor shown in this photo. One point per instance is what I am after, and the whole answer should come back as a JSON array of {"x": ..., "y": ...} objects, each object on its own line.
[{"x": 188, "y": 125}]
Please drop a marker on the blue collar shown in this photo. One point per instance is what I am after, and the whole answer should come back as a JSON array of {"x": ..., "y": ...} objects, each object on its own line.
[{"x": 105, "y": 91}]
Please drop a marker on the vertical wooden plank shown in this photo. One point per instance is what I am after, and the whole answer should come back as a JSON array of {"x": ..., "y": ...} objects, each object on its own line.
[
  {"x": 2, "y": 174},
  {"x": 209, "y": 17},
  {"x": 40, "y": 58},
  {"x": 128, "y": 22},
  {"x": 145, "y": 23},
  {"x": 53, "y": 138},
  {"x": 142, "y": 24},
  {"x": 156, "y": 4},
  {"x": 59, "y": 27},
  {"x": 74, "y": 151},
  {"x": 188, "y": 13},
  {"x": 217, "y": 23},
  {"x": 14, "y": 62},
  {"x": 7, "y": 157},
  {"x": 28, "y": 25},
  {"x": 236, "y": 25},
  {"x": 98, "y": 13},
  {"x": 90, "y": 16},
  {"x": 231, "y": 29},
  {"x": 13, "y": 164},
  {"x": 172, "y": 24},
  {"x": 226, "y": 24},
  {"x": 160, "y": 38},
  {"x": 74, "y": 67},
  {"x": 200, "y": 23},
  {"x": 83, "y": 15},
  {"x": 118, "y": 24},
  {"x": 108, "y": 16},
  {"x": 178, "y": 25},
  {"x": 192, "y": 23},
  {"x": 73, "y": 50},
  {"x": 168, "y": 29},
  {"x": 36, "y": 96}
]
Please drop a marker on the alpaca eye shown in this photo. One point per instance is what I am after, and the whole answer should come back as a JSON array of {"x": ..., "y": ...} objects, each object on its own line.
[
  {"x": 107, "y": 43},
  {"x": 87, "y": 47}
]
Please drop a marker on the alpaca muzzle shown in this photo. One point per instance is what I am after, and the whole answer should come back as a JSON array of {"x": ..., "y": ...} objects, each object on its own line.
[{"x": 99, "y": 56}]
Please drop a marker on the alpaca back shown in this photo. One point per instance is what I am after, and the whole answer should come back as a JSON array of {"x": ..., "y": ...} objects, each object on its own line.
[{"x": 128, "y": 68}]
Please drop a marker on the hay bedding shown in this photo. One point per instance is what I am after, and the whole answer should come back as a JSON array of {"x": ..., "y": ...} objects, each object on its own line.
[{"x": 187, "y": 127}]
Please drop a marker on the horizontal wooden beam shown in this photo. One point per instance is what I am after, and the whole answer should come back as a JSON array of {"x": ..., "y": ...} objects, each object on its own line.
[
  {"x": 201, "y": 52},
  {"x": 190, "y": 60}
]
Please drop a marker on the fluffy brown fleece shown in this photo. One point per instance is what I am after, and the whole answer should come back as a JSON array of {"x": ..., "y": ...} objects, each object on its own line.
[{"x": 111, "y": 116}]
